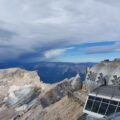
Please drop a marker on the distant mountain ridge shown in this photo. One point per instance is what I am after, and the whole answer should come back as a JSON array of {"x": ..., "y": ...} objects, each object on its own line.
[{"x": 52, "y": 72}]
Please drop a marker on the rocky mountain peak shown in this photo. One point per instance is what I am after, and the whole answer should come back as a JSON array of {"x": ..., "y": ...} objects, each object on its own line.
[
  {"x": 103, "y": 72},
  {"x": 76, "y": 83},
  {"x": 22, "y": 90}
]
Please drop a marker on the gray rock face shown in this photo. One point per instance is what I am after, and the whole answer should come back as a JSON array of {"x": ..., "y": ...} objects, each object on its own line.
[
  {"x": 76, "y": 83},
  {"x": 18, "y": 78},
  {"x": 18, "y": 91},
  {"x": 103, "y": 73},
  {"x": 20, "y": 95},
  {"x": 21, "y": 91},
  {"x": 60, "y": 90}
]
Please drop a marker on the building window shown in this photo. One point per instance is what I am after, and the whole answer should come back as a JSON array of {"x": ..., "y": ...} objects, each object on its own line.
[
  {"x": 118, "y": 109},
  {"x": 89, "y": 105},
  {"x": 103, "y": 108},
  {"x": 105, "y": 100},
  {"x": 95, "y": 106},
  {"x": 98, "y": 99},
  {"x": 111, "y": 109},
  {"x": 113, "y": 102},
  {"x": 91, "y": 98}
]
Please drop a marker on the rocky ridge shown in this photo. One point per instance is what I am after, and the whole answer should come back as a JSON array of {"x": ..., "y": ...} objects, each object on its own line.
[
  {"x": 105, "y": 72},
  {"x": 24, "y": 96}
]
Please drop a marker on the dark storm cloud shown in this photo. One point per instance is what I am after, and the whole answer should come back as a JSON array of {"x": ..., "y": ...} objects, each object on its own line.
[
  {"x": 32, "y": 27},
  {"x": 103, "y": 49},
  {"x": 6, "y": 34}
]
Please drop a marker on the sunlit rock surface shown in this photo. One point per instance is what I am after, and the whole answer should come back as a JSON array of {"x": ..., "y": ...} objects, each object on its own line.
[
  {"x": 76, "y": 83},
  {"x": 20, "y": 94},
  {"x": 23, "y": 94},
  {"x": 103, "y": 73},
  {"x": 16, "y": 78},
  {"x": 60, "y": 90},
  {"x": 19, "y": 91}
]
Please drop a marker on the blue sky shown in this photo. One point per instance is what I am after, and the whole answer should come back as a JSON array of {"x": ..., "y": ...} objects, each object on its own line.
[
  {"x": 62, "y": 30},
  {"x": 87, "y": 53}
]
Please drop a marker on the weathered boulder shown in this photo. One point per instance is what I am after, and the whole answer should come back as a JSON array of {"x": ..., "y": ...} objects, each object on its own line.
[
  {"x": 18, "y": 95},
  {"x": 19, "y": 91},
  {"x": 76, "y": 83},
  {"x": 60, "y": 90},
  {"x": 18, "y": 78}
]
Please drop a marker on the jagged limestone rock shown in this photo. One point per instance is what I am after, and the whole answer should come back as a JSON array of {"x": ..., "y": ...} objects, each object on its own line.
[
  {"x": 20, "y": 94},
  {"x": 18, "y": 87},
  {"x": 22, "y": 108},
  {"x": 102, "y": 74},
  {"x": 60, "y": 90},
  {"x": 22, "y": 91},
  {"x": 76, "y": 83},
  {"x": 65, "y": 109}
]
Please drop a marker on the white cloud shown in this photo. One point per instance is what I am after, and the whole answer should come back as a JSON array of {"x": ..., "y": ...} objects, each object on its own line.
[
  {"x": 103, "y": 49},
  {"x": 41, "y": 23},
  {"x": 56, "y": 52}
]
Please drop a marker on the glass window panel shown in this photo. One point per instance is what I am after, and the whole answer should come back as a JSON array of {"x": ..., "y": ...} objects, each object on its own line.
[
  {"x": 118, "y": 109},
  {"x": 113, "y": 102},
  {"x": 95, "y": 106},
  {"x": 103, "y": 108},
  {"x": 119, "y": 103},
  {"x": 111, "y": 110},
  {"x": 98, "y": 99},
  {"x": 105, "y": 100},
  {"x": 91, "y": 97},
  {"x": 89, "y": 105}
]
